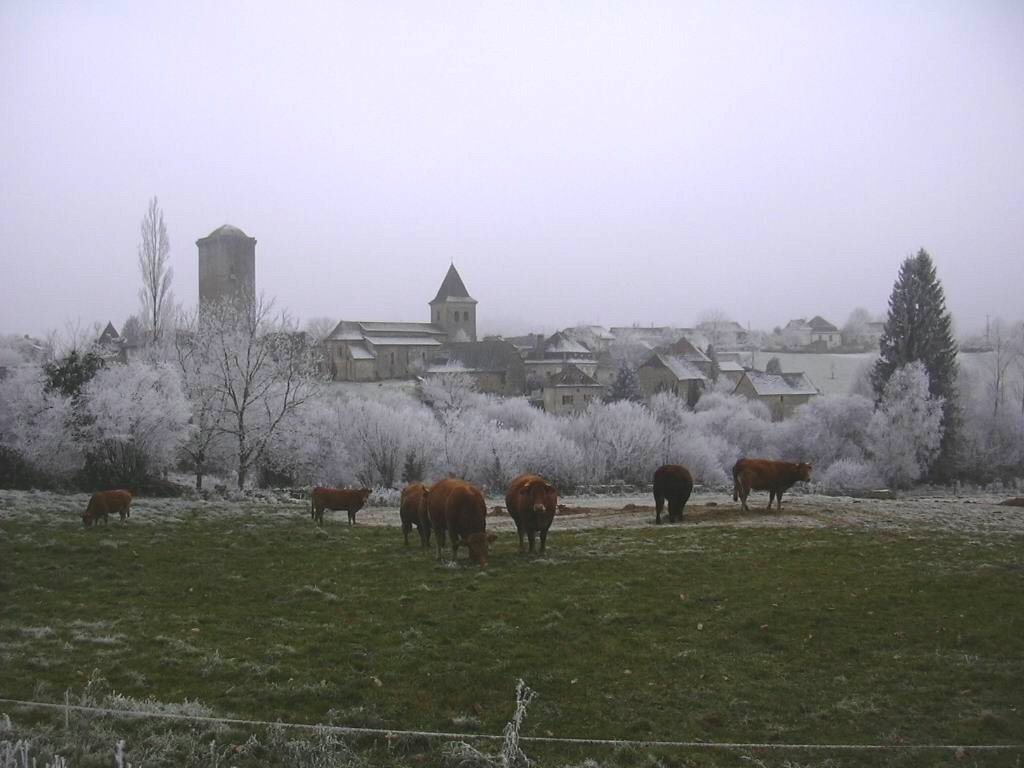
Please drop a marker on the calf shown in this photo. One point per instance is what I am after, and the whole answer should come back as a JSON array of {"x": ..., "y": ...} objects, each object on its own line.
[
  {"x": 531, "y": 501},
  {"x": 336, "y": 499},
  {"x": 776, "y": 477},
  {"x": 674, "y": 483},
  {"x": 103, "y": 503},
  {"x": 413, "y": 512}
]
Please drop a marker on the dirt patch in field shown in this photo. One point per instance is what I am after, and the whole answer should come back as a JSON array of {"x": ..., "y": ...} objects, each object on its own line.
[{"x": 977, "y": 514}]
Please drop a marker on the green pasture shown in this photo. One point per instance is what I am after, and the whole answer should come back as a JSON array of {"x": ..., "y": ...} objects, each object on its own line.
[{"x": 724, "y": 634}]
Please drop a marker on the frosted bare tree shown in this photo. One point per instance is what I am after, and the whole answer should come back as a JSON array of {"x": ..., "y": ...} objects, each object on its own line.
[
  {"x": 1007, "y": 347},
  {"x": 261, "y": 367},
  {"x": 193, "y": 358},
  {"x": 715, "y": 324},
  {"x": 155, "y": 269}
]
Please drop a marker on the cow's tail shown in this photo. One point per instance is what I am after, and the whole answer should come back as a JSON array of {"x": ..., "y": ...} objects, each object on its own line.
[
  {"x": 735, "y": 482},
  {"x": 312, "y": 504}
]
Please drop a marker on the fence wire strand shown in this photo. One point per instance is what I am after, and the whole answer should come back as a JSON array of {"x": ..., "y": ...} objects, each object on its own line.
[{"x": 392, "y": 733}]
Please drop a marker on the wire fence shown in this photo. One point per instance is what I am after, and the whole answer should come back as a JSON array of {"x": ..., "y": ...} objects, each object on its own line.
[{"x": 393, "y": 733}]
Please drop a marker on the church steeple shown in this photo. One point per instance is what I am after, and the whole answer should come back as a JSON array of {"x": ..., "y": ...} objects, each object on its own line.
[{"x": 453, "y": 309}]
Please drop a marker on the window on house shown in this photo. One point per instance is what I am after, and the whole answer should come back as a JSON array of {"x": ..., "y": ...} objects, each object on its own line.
[
  {"x": 587, "y": 398},
  {"x": 566, "y": 399},
  {"x": 392, "y": 358}
]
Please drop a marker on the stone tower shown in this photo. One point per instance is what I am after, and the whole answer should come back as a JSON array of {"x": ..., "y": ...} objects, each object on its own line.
[
  {"x": 453, "y": 309},
  {"x": 227, "y": 266}
]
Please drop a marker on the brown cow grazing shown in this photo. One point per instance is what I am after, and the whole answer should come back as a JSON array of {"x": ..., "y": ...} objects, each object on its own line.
[
  {"x": 531, "y": 501},
  {"x": 103, "y": 503},
  {"x": 776, "y": 477},
  {"x": 458, "y": 509},
  {"x": 336, "y": 499},
  {"x": 674, "y": 483},
  {"x": 413, "y": 512}
]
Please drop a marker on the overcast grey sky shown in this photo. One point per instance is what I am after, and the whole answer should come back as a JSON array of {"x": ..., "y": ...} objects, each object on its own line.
[{"x": 603, "y": 162}]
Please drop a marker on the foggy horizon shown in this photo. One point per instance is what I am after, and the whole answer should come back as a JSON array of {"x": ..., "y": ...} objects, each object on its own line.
[{"x": 614, "y": 166}]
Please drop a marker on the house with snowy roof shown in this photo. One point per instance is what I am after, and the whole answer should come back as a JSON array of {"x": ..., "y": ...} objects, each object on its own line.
[
  {"x": 358, "y": 350},
  {"x": 495, "y": 365},
  {"x": 816, "y": 333},
  {"x": 668, "y": 372},
  {"x": 570, "y": 390},
  {"x": 781, "y": 392},
  {"x": 556, "y": 352}
]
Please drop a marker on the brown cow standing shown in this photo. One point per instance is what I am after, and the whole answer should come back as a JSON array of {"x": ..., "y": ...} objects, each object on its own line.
[
  {"x": 776, "y": 477},
  {"x": 412, "y": 511},
  {"x": 458, "y": 509},
  {"x": 104, "y": 503},
  {"x": 336, "y": 499},
  {"x": 531, "y": 501},
  {"x": 674, "y": 483}
]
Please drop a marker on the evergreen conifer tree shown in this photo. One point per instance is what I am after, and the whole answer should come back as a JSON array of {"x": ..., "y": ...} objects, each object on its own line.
[
  {"x": 625, "y": 387},
  {"x": 714, "y": 370},
  {"x": 919, "y": 328}
]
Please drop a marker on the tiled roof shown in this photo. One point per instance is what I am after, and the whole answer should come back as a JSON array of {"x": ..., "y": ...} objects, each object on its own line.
[
  {"x": 393, "y": 328},
  {"x": 680, "y": 367},
  {"x": 780, "y": 384},
  {"x": 821, "y": 325},
  {"x": 571, "y": 376},
  {"x": 560, "y": 344},
  {"x": 360, "y": 352},
  {"x": 403, "y": 341},
  {"x": 452, "y": 286},
  {"x": 226, "y": 230}
]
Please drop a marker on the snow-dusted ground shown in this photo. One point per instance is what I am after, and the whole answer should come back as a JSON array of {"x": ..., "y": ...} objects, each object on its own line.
[{"x": 978, "y": 513}]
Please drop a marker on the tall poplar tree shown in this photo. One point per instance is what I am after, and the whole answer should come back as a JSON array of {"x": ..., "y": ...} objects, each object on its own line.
[{"x": 919, "y": 328}]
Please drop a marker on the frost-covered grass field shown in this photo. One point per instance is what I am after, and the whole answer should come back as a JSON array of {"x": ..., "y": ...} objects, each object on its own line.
[
  {"x": 839, "y": 621},
  {"x": 834, "y": 373}
]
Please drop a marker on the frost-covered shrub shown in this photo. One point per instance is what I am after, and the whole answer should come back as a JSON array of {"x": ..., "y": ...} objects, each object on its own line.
[
  {"x": 619, "y": 441},
  {"x": 744, "y": 424},
  {"x": 825, "y": 430},
  {"x": 906, "y": 430},
  {"x": 388, "y": 438},
  {"x": 36, "y": 425},
  {"x": 307, "y": 449},
  {"x": 848, "y": 474},
  {"x": 135, "y": 418},
  {"x": 993, "y": 419}
]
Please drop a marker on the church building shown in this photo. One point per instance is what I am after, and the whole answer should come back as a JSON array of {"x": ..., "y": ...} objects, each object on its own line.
[{"x": 358, "y": 350}]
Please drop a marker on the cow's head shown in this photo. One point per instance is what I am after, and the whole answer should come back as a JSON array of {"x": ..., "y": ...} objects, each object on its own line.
[
  {"x": 543, "y": 497},
  {"x": 364, "y": 494},
  {"x": 478, "y": 546},
  {"x": 804, "y": 471},
  {"x": 87, "y": 518}
]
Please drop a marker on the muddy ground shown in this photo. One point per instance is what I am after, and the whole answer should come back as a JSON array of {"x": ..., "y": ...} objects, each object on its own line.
[{"x": 969, "y": 514}]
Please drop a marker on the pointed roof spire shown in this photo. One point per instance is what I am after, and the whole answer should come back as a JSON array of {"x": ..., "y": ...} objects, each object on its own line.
[{"x": 452, "y": 286}]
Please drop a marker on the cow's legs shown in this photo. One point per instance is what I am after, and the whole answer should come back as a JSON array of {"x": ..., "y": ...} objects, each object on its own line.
[
  {"x": 659, "y": 504},
  {"x": 406, "y": 527},
  {"x": 543, "y": 540},
  {"x": 440, "y": 541},
  {"x": 744, "y": 492},
  {"x": 522, "y": 544},
  {"x": 771, "y": 498},
  {"x": 675, "y": 514},
  {"x": 351, "y": 517},
  {"x": 778, "y": 496},
  {"x": 531, "y": 533}
]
